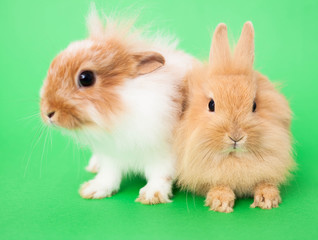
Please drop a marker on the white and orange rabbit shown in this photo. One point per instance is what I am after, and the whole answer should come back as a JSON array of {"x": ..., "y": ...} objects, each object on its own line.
[
  {"x": 119, "y": 93},
  {"x": 234, "y": 137}
]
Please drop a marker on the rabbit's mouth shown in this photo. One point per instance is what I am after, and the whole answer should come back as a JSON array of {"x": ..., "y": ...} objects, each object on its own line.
[
  {"x": 235, "y": 144},
  {"x": 235, "y": 148},
  {"x": 238, "y": 150},
  {"x": 62, "y": 119}
]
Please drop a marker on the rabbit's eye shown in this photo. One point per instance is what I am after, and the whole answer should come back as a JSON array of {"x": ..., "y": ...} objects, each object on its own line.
[
  {"x": 211, "y": 105},
  {"x": 254, "y": 106},
  {"x": 86, "y": 79}
]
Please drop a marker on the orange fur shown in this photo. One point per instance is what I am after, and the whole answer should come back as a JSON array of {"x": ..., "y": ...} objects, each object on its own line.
[
  {"x": 118, "y": 93},
  {"x": 266, "y": 196},
  {"x": 220, "y": 199},
  {"x": 113, "y": 59},
  {"x": 206, "y": 158}
]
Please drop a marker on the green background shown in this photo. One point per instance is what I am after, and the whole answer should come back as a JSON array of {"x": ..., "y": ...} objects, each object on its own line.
[{"x": 40, "y": 175}]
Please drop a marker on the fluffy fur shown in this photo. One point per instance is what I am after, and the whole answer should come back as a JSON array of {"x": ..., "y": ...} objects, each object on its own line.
[
  {"x": 127, "y": 117},
  {"x": 210, "y": 163}
]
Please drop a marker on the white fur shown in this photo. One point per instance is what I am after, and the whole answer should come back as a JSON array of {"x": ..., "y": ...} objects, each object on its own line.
[
  {"x": 140, "y": 141},
  {"x": 78, "y": 46},
  {"x": 94, "y": 164}
]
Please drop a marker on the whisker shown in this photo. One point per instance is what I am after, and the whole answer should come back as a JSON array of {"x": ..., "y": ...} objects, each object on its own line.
[
  {"x": 43, "y": 150},
  {"x": 187, "y": 201},
  {"x": 256, "y": 154},
  {"x": 193, "y": 197},
  {"x": 32, "y": 116},
  {"x": 33, "y": 145},
  {"x": 50, "y": 131}
]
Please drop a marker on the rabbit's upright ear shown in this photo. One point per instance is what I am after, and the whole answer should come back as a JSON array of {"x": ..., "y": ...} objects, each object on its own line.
[
  {"x": 94, "y": 24},
  {"x": 220, "y": 53},
  {"x": 147, "y": 62},
  {"x": 244, "y": 51}
]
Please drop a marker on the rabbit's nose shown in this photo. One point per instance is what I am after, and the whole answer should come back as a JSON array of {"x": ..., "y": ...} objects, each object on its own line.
[
  {"x": 51, "y": 114},
  {"x": 236, "y": 139}
]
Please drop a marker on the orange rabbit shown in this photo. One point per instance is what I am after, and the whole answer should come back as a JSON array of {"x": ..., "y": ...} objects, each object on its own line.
[{"x": 234, "y": 137}]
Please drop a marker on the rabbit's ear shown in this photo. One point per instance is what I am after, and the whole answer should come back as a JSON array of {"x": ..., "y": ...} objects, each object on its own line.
[
  {"x": 220, "y": 53},
  {"x": 244, "y": 51},
  {"x": 94, "y": 24},
  {"x": 148, "y": 62}
]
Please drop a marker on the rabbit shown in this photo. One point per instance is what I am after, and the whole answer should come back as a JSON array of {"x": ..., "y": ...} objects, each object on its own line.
[
  {"x": 119, "y": 93},
  {"x": 234, "y": 136}
]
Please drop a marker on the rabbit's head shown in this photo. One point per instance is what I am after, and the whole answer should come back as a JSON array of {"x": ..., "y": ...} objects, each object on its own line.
[{"x": 81, "y": 87}]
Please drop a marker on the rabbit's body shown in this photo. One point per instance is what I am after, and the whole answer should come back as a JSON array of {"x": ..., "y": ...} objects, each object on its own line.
[
  {"x": 234, "y": 137},
  {"x": 120, "y": 94},
  {"x": 244, "y": 169},
  {"x": 140, "y": 140}
]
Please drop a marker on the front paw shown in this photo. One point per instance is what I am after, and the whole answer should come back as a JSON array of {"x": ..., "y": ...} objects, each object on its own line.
[
  {"x": 94, "y": 189},
  {"x": 266, "y": 197},
  {"x": 93, "y": 165},
  {"x": 154, "y": 195},
  {"x": 220, "y": 199}
]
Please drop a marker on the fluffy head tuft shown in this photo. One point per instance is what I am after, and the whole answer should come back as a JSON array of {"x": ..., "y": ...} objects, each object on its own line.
[{"x": 114, "y": 54}]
